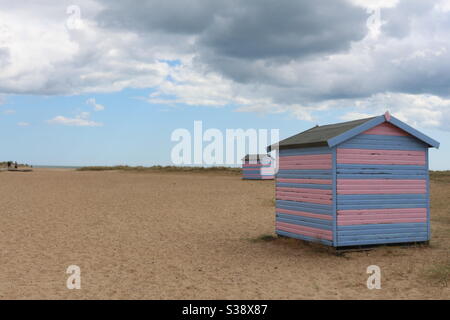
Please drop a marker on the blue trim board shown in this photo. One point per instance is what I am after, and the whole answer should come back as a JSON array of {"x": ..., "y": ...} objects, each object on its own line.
[
  {"x": 428, "y": 200},
  {"x": 379, "y": 120},
  {"x": 355, "y": 131},
  {"x": 334, "y": 197},
  {"x": 419, "y": 135}
]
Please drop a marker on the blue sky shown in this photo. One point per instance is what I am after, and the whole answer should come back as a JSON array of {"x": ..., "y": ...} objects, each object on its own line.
[
  {"x": 132, "y": 131},
  {"x": 96, "y": 82}
]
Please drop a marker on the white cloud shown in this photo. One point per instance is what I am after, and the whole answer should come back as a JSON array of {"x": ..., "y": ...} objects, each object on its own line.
[
  {"x": 419, "y": 110},
  {"x": 44, "y": 57},
  {"x": 372, "y": 4},
  {"x": 9, "y": 111},
  {"x": 80, "y": 120},
  {"x": 355, "y": 116},
  {"x": 405, "y": 69},
  {"x": 95, "y": 105},
  {"x": 23, "y": 124}
]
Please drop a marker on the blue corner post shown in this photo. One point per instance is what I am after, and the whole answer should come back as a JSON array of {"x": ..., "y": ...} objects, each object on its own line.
[{"x": 334, "y": 195}]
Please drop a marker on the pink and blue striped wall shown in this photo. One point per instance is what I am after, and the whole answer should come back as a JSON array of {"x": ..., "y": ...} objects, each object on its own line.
[
  {"x": 304, "y": 198},
  {"x": 252, "y": 170},
  {"x": 370, "y": 189}
]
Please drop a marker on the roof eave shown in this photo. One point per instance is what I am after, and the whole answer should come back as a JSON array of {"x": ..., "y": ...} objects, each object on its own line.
[
  {"x": 300, "y": 145},
  {"x": 355, "y": 131},
  {"x": 376, "y": 121},
  {"x": 416, "y": 133}
]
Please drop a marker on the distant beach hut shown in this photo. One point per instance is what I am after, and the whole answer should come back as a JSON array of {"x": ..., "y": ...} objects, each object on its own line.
[
  {"x": 257, "y": 167},
  {"x": 360, "y": 182}
]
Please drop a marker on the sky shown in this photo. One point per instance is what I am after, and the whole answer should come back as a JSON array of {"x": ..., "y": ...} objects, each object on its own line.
[{"x": 96, "y": 82}]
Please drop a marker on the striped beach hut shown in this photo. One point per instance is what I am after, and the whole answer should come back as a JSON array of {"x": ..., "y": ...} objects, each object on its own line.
[
  {"x": 257, "y": 167},
  {"x": 361, "y": 182}
]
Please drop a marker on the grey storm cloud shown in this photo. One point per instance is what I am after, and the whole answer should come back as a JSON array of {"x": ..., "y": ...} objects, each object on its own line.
[
  {"x": 398, "y": 20},
  {"x": 252, "y": 41},
  {"x": 230, "y": 36},
  {"x": 251, "y": 29}
]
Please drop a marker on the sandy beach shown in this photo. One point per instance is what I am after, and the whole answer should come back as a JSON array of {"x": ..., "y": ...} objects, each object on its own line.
[{"x": 187, "y": 236}]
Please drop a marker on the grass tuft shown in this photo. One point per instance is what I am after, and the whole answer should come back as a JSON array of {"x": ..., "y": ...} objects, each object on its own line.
[
  {"x": 265, "y": 238},
  {"x": 164, "y": 169},
  {"x": 440, "y": 176}
]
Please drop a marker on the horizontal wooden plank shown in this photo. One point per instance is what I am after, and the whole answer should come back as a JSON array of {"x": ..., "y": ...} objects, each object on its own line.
[
  {"x": 307, "y": 181},
  {"x": 383, "y": 231},
  {"x": 304, "y": 214},
  {"x": 393, "y": 176},
  {"x": 381, "y": 236},
  {"x": 365, "y": 141},
  {"x": 302, "y": 199},
  {"x": 381, "y": 205},
  {"x": 383, "y": 226},
  {"x": 304, "y": 190},
  {"x": 304, "y": 221},
  {"x": 315, "y": 232},
  {"x": 304, "y": 151},
  {"x": 304, "y": 185},
  {"x": 380, "y": 166},
  {"x": 386, "y": 129},
  {"x": 305, "y": 166},
  {"x": 381, "y": 211},
  {"x": 378, "y": 220},
  {"x": 303, "y": 206},
  {"x": 359, "y": 190},
  {"x": 303, "y": 237},
  {"x": 381, "y": 182},
  {"x": 305, "y": 157}
]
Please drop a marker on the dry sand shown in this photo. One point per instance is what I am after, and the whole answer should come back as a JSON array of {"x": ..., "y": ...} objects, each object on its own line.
[{"x": 185, "y": 236}]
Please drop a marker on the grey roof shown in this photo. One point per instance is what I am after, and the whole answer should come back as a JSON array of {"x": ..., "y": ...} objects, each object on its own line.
[{"x": 319, "y": 135}]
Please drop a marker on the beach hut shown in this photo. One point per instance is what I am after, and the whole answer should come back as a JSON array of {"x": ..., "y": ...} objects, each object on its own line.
[
  {"x": 361, "y": 182},
  {"x": 257, "y": 167}
]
